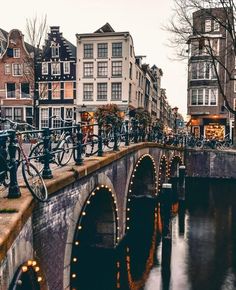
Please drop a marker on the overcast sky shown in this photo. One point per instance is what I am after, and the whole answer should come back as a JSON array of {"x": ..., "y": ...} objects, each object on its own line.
[{"x": 143, "y": 19}]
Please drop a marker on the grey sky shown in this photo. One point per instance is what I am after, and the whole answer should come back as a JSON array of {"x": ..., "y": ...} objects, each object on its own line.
[{"x": 143, "y": 19}]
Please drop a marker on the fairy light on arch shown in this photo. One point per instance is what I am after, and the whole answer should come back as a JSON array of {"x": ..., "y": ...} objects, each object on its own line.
[
  {"x": 27, "y": 267},
  {"x": 175, "y": 157},
  {"x": 75, "y": 260},
  {"x": 133, "y": 175}
]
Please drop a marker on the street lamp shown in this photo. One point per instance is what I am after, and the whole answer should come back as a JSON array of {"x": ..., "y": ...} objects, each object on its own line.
[{"x": 175, "y": 113}]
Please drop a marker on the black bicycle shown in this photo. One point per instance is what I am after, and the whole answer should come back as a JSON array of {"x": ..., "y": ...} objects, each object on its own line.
[
  {"x": 61, "y": 148},
  {"x": 32, "y": 177}
]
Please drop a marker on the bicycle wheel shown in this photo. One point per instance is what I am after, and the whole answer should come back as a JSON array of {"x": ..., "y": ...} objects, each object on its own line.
[
  {"x": 111, "y": 140},
  {"x": 34, "y": 181},
  {"x": 4, "y": 172},
  {"x": 66, "y": 147},
  {"x": 36, "y": 154},
  {"x": 91, "y": 147}
]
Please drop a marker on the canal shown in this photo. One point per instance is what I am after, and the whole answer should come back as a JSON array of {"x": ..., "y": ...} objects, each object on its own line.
[{"x": 200, "y": 255}]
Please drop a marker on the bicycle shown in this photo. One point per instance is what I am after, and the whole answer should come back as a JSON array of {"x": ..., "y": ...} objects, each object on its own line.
[
  {"x": 89, "y": 141},
  {"x": 32, "y": 177},
  {"x": 61, "y": 153}
]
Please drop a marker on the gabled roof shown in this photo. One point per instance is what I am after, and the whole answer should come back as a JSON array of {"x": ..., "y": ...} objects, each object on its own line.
[{"x": 105, "y": 28}]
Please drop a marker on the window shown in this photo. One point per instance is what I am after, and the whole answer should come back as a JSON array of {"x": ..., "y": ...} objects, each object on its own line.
[
  {"x": 102, "y": 50},
  {"x": 130, "y": 70},
  {"x": 102, "y": 69},
  {"x": 88, "y": 92},
  {"x": 55, "y": 51},
  {"x": 29, "y": 115},
  {"x": 68, "y": 90},
  {"x": 56, "y": 90},
  {"x": 102, "y": 91},
  {"x": 8, "y": 113},
  {"x": 216, "y": 25},
  {"x": 56, "y": 122},
  {"x": 116, "y": 69},
  {"x": 56, "y": 68},
  {"x": 207, "y": 25},
  {"x": 202, "y": 70},
  {"x": 7, "y": 69},
  {"x": 66, "y": 67},
  {"x": 130, "y": 92},
  {"x": 204, "y": 96},
  {"x": 44, "y": 117},
  {"x": 25, "y": 90},
  {"x": 11, "y": 90},
  {"x": 43, "y": 91},
  {"x": 131, "y": 50},
  {"x": 44, "y": 68},
  {"x": 16, "y": 52},
  {"x": 18, "y": 114},
  {"x": 69, "y": 114},
  {"x": 213, "y": 97},
  {"x": 116, "y": 91},
  {"x": 88, "y": 69},
  {"x": 88, "y": 50},
  {"x": 117, "y": 49},
  {"x": 17, "y": 69}
]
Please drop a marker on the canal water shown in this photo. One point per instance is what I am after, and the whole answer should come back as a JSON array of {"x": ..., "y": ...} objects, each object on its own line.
[{"x": 200, "y": 256}]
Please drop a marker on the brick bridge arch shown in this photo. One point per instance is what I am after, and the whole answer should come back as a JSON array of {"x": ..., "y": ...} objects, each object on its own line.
[{"x": 52, "y": 228}]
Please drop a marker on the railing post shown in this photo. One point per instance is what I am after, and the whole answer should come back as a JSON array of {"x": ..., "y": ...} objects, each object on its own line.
[
  {"x": 78, "y": 149},
  {"x": 14, "y": 190},
  {"x": 100, "y": 141},
  {"x": 115, "y": 147},
  {"x": 47, "y": 173},
  {"x": 135, "y": 131},
  {"x": 126, "y": 133}
]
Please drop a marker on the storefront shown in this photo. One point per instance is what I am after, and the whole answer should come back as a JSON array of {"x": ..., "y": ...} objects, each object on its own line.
[
  {"x": 210, "y": 128},
  {"x": 214, "y": 128}
]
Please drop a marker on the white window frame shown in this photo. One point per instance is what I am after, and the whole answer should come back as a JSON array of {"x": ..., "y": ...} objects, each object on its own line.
[
  {"x": 55, "y": 50},
  {"x": 16, "y": 52},
  {"x": 212, "y": 75},
  {"x": 210, "y": 96},
  {"x": 44, "y": 116},
  {"x": 207, "y": 25},
  {"x": 7, "y": 69},
  {"x": 216, "y": 25},
  {"x": 56, "y": 122},
  {"x": 44, "y": 68},
  {"x": 19, "y": 68},
  {"x": 66, "y": 67},
  {"x": 56, "y": 68}
]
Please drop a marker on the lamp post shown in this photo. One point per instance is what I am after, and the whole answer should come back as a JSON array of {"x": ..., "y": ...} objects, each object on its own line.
[
  {"x": 82, "y": 111},
  {"x": 175, "y": 113}
]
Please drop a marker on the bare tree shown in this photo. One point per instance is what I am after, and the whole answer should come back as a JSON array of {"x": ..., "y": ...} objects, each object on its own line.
[
  {"x": 36, "y": 32},
  {"x": 188, "y": 30}
]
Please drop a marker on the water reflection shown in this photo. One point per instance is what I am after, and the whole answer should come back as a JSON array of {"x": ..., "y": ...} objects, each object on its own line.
[{"x": 201, "y": 254}]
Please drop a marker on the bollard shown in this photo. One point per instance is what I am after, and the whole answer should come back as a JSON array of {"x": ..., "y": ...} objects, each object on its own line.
[
  {"x": 47, "y": 173},
  {"x": 126, "y": 133},
  {"x": 181, "y": 183},
  {"x": 165, "y": 209},
  {"x": 100, "y": 141},
  {"x": 78, "y": 149},
  {"x": 14, "y": 190}
]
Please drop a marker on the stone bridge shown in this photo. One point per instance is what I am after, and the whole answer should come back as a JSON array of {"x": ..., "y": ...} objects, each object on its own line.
[{"x": 88, "y": 205}]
